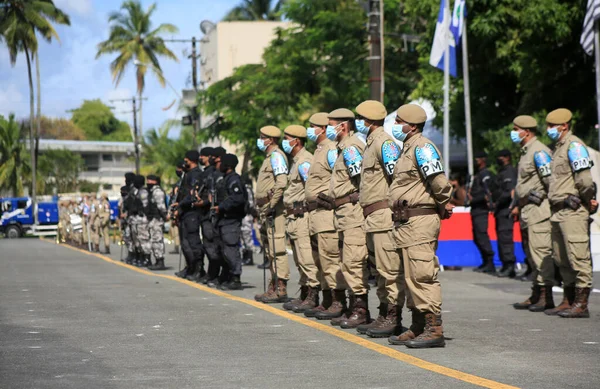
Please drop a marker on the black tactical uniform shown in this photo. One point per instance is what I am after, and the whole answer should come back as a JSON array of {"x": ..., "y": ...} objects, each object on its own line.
[
  {"x": 479, "y": 217},
  {"x": 232, "y": 198},
  {"x": 209, "y": 181},
  {"x": 504, "y": 183},
  {"x": 190, "y": 222}
]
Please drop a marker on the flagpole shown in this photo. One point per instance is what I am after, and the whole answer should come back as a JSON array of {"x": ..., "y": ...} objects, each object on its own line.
[
  {"x": 467, "y": 87},
  {"x": 597, "y": 57},
  {"x": 446, "y": 150}
]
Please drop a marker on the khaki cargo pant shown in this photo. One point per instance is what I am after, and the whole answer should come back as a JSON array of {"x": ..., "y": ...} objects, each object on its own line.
[
  {"x": 421, "y": 268},
  {"x": 298, "y": 232},
  {"x": 571, "y": 244},
  {"x": 328, "y": 245},
  {"x": 277, "y": 255},
  {"x": 174, "y": 234},
  {"x": 540, "y": 252},
  {"x": 354, "y": 260},
  {"x": 390, "y": 271}
]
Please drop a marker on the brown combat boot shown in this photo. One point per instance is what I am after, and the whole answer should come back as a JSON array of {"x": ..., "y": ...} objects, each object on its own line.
[
  {"x": 533, "y": 299},
  {"x": 336, "y": 321},
  {"x": 433, "y": 334},
  {"x": 546, "y": 300},
  {"x": 277, "y": 296},
  {"x": 97, "y": 248},
  {"x": 310, "y": 301},
  {"x": 567, "y": 301},
  {"x": 290, "y": 305},
  {"x": 359, "y": 314},
  {"x": 337, "y": 308},
  {"x": 325, "y": 304},
  {"x": 270, "y": 288},
  {"x": 363, "y": 328},
  {"x": 579, "y": 309},
  {"x": 392, "y": 325},
  {"x": 416, "y": 328}
]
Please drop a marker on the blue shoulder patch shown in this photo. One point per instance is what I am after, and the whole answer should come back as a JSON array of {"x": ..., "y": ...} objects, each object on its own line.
[
  {"x": 303, "y": 169},
  {"x": 429, "y": 160},
  {"x": 331, "y": 157},
  {"x": 579, "y": 157},
  {"x": 390, "y": 152},
  {"x": 542, "y": 163},
  {"x": 353, "y": 160},
  {"x": 278, "y": 164}
]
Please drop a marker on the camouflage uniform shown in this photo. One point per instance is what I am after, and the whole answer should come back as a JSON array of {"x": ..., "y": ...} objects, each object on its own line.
[
  {"x": 140, "y": 223},
  {"x": 156, "y": 216}
]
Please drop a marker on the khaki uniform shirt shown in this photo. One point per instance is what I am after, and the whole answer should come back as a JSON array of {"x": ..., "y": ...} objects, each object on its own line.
[
  {"x": 420, "y": 181},
  {"x": 379, "y": 161},
  {"x": 319, "y": 179},
  {"x": 571, "y": 175},
  {"x": 534, "y": 175},
  {"x": 272, "y": 178},
  {"x": 299, "y": 169},
  {"x": 346, "y": 180},
  {"x": 104, "y": 210},
  {"x": 94, "y": 205}
]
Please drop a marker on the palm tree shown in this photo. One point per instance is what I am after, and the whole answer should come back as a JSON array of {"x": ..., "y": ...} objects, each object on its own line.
[
  {"x": 132, "y": 37},
  {"x": 13, "y": 159},
  {"x": 255, "y": 10},
  {"x": 20, "y": 22}
]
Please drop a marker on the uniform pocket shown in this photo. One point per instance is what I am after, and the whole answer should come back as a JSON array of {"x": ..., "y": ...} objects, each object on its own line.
[
  {"x": 579, "y": 247},
  {"x": 230, "y": 235},
  {"x": 422, "y": 263}
]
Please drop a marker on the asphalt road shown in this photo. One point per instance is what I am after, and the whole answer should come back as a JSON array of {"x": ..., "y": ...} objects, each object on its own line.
[{"x": 73, "y": 320}]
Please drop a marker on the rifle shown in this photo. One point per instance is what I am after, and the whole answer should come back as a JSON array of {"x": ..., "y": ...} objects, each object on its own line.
[
  {"x": 468, "y": 187},
  {"x": 212, "y": 197}
]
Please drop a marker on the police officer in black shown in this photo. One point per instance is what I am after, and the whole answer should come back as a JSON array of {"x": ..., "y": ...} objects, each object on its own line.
[
  {"x": 189, "y": 216},
  {"x": 229, "y": 211},
  {"x": 504, "y": 185},
  {"x": 480, "y": 198},
  {"x": 210, "y": 175}
]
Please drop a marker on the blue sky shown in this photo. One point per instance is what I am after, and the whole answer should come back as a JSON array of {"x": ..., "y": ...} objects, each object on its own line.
[{"x": 70, "y": 73}]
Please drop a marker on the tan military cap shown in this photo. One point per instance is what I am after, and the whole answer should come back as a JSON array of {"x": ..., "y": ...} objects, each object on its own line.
[
  {"x": 412, "y": 113},
  {"x": 341, "y": 113},
  {"x": 559, "y": 116},
  {"x": 295, "y": 130},
  {"x": 319, "y": 119},
  {"x": 372, "y": 110},
  {"x": 525, "y": 121},
  {"x": 104, "y": 194},
  {"x": 271, "y": 131}
]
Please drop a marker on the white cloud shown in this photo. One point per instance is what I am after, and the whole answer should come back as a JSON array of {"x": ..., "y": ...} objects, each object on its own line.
[{"x": 79, "y": 7}]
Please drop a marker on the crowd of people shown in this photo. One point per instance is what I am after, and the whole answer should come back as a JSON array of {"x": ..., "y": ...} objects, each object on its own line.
[{"x": 360, "y": 201}]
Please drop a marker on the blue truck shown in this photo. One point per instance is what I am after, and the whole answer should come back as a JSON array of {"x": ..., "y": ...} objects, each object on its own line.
[{"x": 17, "y": 215}]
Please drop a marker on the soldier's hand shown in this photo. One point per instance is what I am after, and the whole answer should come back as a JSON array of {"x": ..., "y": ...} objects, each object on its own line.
[
  {"x": 593, "y": 205},
  {"x": 175, "y": 205},
  {"x": 515, "y": 212},
  {"x": 215, "y": 209},
  {"x": 469, "y": 197},
  {"x": 449, "y": 210}
]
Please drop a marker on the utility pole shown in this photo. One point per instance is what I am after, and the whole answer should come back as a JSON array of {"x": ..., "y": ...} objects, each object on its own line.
[
  {"x": 375, "y": 31},
  {"x": 136, "y": 136},
  {"x": 194, "y": 57}
]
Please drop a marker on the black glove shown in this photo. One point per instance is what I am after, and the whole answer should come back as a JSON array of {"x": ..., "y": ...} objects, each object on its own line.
[
  {"x": 325, "y": 201},
  {"x": 269, "y": 212},
  {"x": 573, "y": 202},
  {"x": 535, "y": 197}
]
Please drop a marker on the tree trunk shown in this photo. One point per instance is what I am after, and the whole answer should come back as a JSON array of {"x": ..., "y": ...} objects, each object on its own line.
[
  {"x": 31, "y": 138},
  {"x": 245, "y": 162},
  {"x": 39, "y": 109}
]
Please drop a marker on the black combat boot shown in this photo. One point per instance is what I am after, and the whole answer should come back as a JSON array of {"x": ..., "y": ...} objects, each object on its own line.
[
  {"x": 508, "y": 272},
  {"x": 182, "y": 273},
  {"x": 248, "y": 258},
  {"x": 107, "y": 250},
  {"x": 139, "y": 259},
  {"x": 130, "y": 258},
  {"x": 160, "y": 265},
  {"x": 147, "y": 260},
  {"x": 533, "y": 299},
  {"x": 234, "y": 284}
]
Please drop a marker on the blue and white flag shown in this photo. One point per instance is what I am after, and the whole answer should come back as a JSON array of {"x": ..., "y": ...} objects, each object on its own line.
[
  {"x": 592, "y": 15},
  {"x": 446, "y": 25}
]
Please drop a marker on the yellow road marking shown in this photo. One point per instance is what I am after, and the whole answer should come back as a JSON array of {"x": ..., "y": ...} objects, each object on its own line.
[{"x": 400, "y": 356}]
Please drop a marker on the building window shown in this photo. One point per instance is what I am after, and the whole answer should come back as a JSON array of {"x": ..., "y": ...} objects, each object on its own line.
[
  {"x": 107, "y": 157},
  {"x": 21, "y": 204},
  {"x": 91, "y": 161}
]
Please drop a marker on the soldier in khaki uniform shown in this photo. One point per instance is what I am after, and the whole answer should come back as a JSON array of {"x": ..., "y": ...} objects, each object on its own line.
[
  {"x": 572, "y": 198},
  {"x": 322, "y": 230},
  {"x": 63, "y": 214},
  {"x": 380, "y": 156},
  {"x": 297, "y": 216},
  {"x": 533, "y": 207},
  {"x": 102, "y": 221},
  {"x": 344, "y": 194},
  {"x": 419, "y": 196},
  {"x": 270, "y": 184},
  {"x": 84, "y": 212}
]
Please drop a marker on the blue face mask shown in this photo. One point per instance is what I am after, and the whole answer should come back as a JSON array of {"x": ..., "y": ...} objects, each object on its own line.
[
  {"x": 514, "y": 136},
  {"x": 360, "y": 127},
  {"x": 260, "y": 143},
  {"x": 398, "y": 133},
  {"x": 287, "y": 147},
  {"x": 311, "y": 134},
  {"x": 331, "y": 133},
  {"x": 553, "y": 133}
]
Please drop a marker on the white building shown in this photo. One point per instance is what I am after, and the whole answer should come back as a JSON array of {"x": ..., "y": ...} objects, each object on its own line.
[{"x": 104, "y": 162}]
